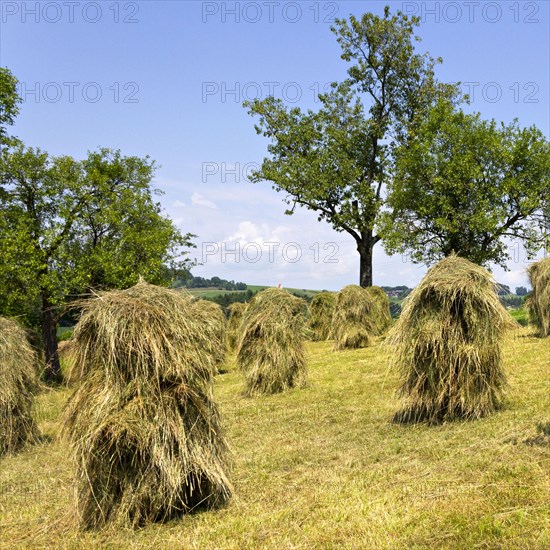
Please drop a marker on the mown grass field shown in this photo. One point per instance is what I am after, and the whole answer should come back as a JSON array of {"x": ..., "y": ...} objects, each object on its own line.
[{"x": 324, "y": 467}]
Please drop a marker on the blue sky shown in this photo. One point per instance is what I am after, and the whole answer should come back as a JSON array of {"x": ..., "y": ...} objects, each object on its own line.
[{"x": 167, "y": 79}]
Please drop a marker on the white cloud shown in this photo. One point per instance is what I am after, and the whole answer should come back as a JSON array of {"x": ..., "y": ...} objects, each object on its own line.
[
  {"x": 248, "y": 232},
  {"x": 199, "y": 200},
  {"x": 178, "y": 204}
]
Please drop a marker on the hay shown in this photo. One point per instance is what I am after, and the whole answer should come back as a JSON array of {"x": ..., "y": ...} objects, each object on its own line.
[
  {"x": 145, "y": 432},
  {"x": 215, "y": 325},
  {"x": 236, "y": 314},
  {"x": 18, "y": 385},
  {"x": 538, "y": 303},
  {"x": 320, "y": 311},
  {"x": 270, "y": 350},
  {"x": 354, "y": 323},
  {"x": 381, "y": 312},
  {"x": 65, "y": 349},
  {"x": 447, "y": 344}
]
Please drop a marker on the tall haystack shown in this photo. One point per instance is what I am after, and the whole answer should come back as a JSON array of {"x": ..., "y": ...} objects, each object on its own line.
[
  {"x": 236, "y": 314},
  {"x": 320, "y": 311},
  {"x": 538, "y": 302},
  {"x": 382, "y": 315},
  {"x": 145, "y": 431},
  {"x": 270, "y": 349},
  {"x": 215, "y": 324},
  {"x": 354, "y": 323},
  {"x": 18, "y": 385},
  {"x": 447, "y": 344}
]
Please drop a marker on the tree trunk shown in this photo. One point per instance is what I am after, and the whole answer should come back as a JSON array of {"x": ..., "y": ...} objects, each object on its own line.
[
  {"x": 52, "y": 372},
  {"x": 365, "y": 247}
]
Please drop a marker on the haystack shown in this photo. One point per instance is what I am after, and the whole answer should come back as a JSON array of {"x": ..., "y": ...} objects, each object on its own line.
[
  {"x": 270, "y": 349},
  {"x": 65, "y": 349},
  {"x": 215, "y": 325},
  {"x": 18, "y": 385},
  {"x": 354, "y": 323},
  {"x": 236, "y": 314},
  {"x": 145, "y": 431},
  {"x": 381, "y": 313},
  {"x": 538, "y": 303},
  {"x": 321, "y": 309},
  {"x": 447, "y": 344}
]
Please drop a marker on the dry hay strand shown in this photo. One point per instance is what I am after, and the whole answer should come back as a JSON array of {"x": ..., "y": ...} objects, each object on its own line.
[
  {"x": 236, "y": 314},
  {"x": 270, "y": 350},
  {"x": 447, "y": 345},
  {"x": 354, "y": 323},
  {"x": 144, "y": 429},
  {"x": 320, "y": 313},
  {"x": 18, "y": 386},
  {"x": 65, "y": 349},
  {"x": 216, "y": 325},
  {"x": 538, "y": 303},
  {"x": 381, "y": 313}
]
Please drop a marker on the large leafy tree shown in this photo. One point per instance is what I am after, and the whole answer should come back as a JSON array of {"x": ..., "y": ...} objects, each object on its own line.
[
  {"x": 337, "y": 161},
  {"x": 468, "y": 185},
  {"x": 67, "y": 226}
]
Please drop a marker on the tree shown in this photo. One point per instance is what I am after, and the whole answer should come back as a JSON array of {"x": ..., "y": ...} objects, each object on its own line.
[
  {"x": 9, "y": 103},
  {"x": 521, "y": 291},
  {"x": 67, "y": 226},
  {"x": 466, "y": 185},
  {"x": 337, "y": 161}
]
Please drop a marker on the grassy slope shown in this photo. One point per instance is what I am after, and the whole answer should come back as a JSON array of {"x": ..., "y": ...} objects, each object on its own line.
[{"x": 323, "y": 467}]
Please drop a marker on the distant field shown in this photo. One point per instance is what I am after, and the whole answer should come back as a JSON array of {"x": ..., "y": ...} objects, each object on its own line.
[
  {"x": 214, "y": 292},
  {"x": 324, "y": 467}
]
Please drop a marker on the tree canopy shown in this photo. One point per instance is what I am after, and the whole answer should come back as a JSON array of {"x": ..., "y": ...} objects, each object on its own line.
[{"x": 468, "y": 185}]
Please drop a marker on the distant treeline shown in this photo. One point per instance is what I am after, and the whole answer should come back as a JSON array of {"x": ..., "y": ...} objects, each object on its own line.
[{"x": 214, "y": 282}]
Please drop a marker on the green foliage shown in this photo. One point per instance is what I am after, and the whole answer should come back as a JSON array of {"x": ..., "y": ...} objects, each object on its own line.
[
  {"x": 320, "y": 159},
  {"x": 214, "y": 282},
  {"x": 521, "y": 291},
  {"x": 464, "y": 184},
  {"x": 521, "y": 316},
  {"x": 511, "y": 300},
  {"x": 68, "y": 226},
  {"x": 9, "y": 103}
]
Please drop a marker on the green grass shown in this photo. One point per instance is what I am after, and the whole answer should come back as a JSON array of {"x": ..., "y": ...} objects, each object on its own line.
[
  {"x": 324, "y": 467},
  {"x": 64, "y": 333},
  {"x": 212, "y": 292},
  {"x": 520, "y": 315}
]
